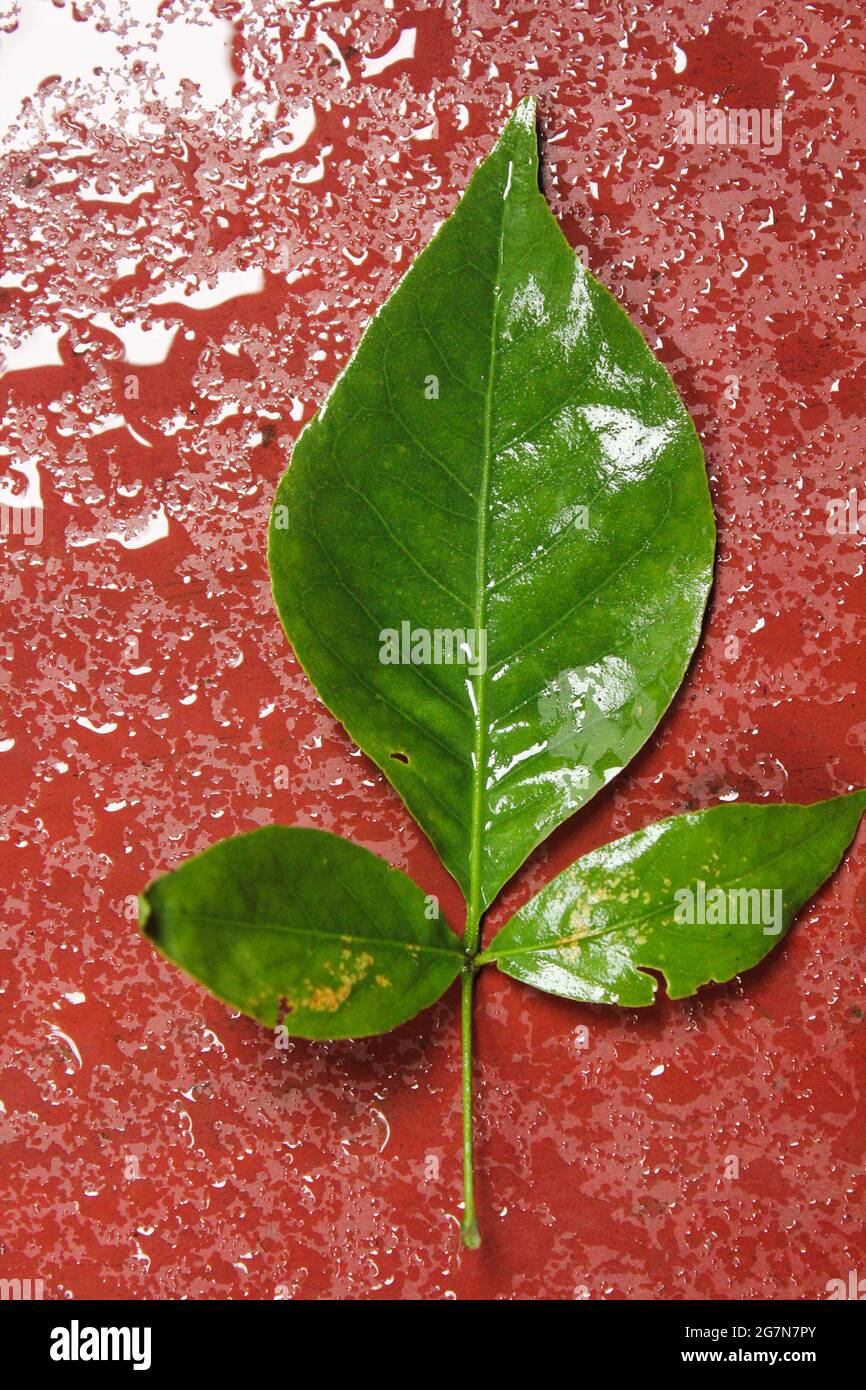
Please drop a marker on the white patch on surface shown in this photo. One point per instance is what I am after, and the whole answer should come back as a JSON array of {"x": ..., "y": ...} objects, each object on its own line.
[
  {"x": 230, "y": 284},
  {"x": 86, "y": 723},
  {"x": 199, "y": 53},
  {"x": 135, "y": 535},
  {"x": 293, "y": 136},
  {"x": 48, "y": 42},
  {"x": 89, "y": 192},
  {"x": 404, "y": 48},
  {"x": 330, "y": 45},
  {"x": 32, "y": 494},
  {"x": 37, "y": 349},
  {"x": 144, "y": 345}
]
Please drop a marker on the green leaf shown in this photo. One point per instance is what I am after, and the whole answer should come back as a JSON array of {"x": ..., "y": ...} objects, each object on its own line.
[
  {"x": 503, "y": 458},
  {"x": 593, "y": 932},
  {"x": 297, "y": 922}
]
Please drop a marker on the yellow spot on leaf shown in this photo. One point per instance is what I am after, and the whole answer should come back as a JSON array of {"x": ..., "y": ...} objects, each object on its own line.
[
  {"x": 579, "y": 927},
  {"x": 327, "y": 999}
]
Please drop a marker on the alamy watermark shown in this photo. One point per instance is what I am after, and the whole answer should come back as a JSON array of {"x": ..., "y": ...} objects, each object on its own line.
[
  {"x": 438, "y": 646},
  {"x": 853, "y": 1288},
  {"x": 721, "y": 125},
  {"x": 722, "y": 907},
  {"x": 14, "y": 1290},
  {"x": 846, "y": 516},
  {"x": 77, "y": 1343},
  {"x": 26, "y": 522}
]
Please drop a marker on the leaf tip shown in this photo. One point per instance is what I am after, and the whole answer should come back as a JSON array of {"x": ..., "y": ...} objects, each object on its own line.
[
  {"x": 524, "y": 111},
  {"x": 522, "y": 122}
]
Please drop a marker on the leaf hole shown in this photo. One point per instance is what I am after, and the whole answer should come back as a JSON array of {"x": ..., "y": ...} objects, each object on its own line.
[{"x": 401, "y": 757}]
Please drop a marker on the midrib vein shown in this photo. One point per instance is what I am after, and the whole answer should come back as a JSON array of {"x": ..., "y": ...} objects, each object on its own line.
[
  {"x": 386, "y": 943},
  {"x": 473, "y": 907},
  {"x": 627, "y": 923}
]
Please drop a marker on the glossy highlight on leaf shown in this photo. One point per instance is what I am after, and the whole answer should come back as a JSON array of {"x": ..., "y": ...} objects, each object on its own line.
[
  {"x": 693, "y": 897},
  {"x": 298, "y": 926},
  {"x": 504, "y": 459}
]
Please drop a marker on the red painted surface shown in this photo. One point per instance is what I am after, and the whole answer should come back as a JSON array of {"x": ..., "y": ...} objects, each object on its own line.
[{"x": 156, "y": 1145}]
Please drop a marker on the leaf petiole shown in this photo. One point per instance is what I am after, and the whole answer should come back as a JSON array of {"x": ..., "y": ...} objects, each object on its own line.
[{"x": 469, "y": 1232}]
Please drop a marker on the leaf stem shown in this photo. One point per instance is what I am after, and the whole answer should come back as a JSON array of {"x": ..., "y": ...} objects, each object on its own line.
[{"x": 469, "y": 1226}]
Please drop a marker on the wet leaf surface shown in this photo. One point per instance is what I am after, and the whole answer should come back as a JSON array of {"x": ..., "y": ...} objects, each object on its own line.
[
  {"x": 297, "y": 926},
  {"x": 699, "y": 897},
  {"x": 505, "y": 472}
]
